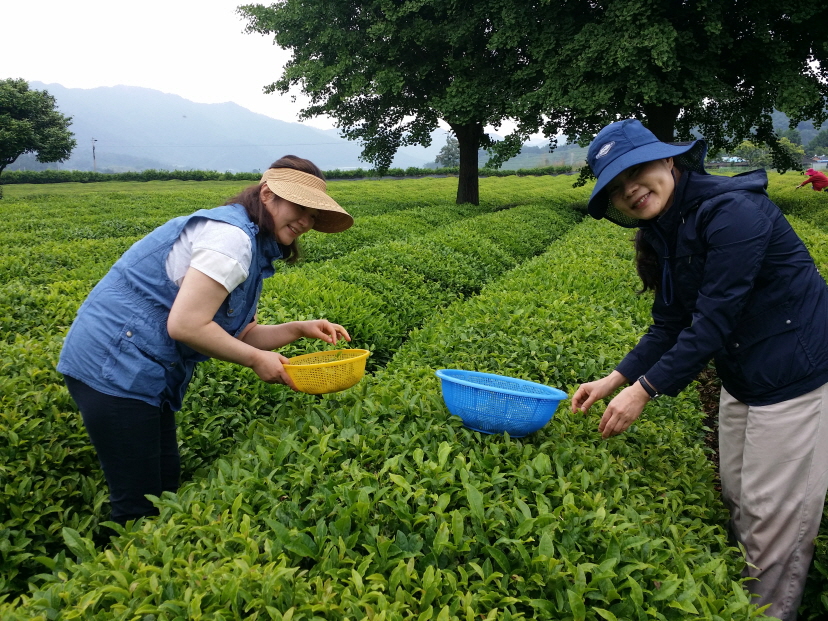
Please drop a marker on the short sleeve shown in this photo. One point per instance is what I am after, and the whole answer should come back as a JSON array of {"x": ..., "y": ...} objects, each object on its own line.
[{"x": 223, "y": 252}]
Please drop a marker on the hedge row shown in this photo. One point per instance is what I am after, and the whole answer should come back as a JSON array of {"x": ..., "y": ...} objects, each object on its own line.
[
  {"x": 46, "y": 239},
  {"x": 373, "y": 503},
  {"x": 42, "y": 282},
  {"x": 83, "y": 244},
  {"x": 398, "y": 225},
  {"x": 13, "y": 177},
  {"x": 404, "y": 223},
  {"x": 380, "y": 293}
]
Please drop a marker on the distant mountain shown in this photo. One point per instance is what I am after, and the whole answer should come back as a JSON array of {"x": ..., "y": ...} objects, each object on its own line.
[
  {"x": 806, "y": 129},
  {"x": 137, "y": 128}
]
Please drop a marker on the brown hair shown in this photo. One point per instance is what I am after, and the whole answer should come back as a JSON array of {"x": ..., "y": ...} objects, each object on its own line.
[
  {"x": 646, "y": 263},
  {"x": 258, "y": 213}
]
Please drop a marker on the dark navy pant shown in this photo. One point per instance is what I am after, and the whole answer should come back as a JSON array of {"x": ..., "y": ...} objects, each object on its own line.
[{"x": 136, "y": 446}]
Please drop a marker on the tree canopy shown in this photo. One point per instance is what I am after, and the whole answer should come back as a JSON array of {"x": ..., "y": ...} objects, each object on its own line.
[
  {"x": 718, "y": 67},
  {"x": 31, "y": 123},
  {"x": 388, "y": 71}
]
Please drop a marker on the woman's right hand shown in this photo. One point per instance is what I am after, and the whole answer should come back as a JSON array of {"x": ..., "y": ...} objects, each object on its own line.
[
  {"x": 269, "y": 366},
  {"x": 589, "y": 393}
]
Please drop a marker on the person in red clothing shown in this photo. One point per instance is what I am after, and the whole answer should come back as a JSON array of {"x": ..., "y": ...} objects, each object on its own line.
[{"x": 819, "y": 180}]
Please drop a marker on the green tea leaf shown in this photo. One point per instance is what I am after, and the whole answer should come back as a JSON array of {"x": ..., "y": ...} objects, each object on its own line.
[
  {"x": 475, "y": 499},
  {"x": 576, "y": 604}
]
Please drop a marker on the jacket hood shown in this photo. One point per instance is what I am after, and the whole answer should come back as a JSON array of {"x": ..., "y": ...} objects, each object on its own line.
[{"x": 702, "y": 187}]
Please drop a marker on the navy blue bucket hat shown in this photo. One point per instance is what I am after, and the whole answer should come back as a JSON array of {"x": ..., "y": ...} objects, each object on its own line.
[{"x": 627, "y": 143}]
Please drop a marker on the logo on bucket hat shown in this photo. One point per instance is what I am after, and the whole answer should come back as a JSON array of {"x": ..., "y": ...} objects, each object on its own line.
[{"x": 604, "y": 150}]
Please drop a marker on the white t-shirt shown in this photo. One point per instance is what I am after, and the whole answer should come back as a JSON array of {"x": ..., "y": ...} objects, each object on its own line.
[{"x": 218, "y": 249}]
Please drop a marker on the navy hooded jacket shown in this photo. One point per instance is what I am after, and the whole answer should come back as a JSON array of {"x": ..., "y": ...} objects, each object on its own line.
[{"x": 739, "y": 287}]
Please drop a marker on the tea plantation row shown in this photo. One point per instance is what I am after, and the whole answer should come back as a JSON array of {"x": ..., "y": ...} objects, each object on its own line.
[
  {"x": 52, "y": 480},
  {"x": 74, "y": 236},
  {"x": 374, "y": 504},
  {"x": 82, "y": 176},
  {"x": 371, "y": 503}
]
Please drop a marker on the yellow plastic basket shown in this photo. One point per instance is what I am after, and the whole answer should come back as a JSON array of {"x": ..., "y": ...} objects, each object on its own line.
[{"x": 327, "y": 371}]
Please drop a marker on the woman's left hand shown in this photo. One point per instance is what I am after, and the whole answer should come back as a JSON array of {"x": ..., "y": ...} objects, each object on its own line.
[
  {"x": 623, "y": 410},
  {"x": 324, "y": 330}
]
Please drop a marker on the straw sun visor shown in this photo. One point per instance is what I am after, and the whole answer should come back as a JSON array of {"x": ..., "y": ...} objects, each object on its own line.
[{"x": 309, "y": 191}]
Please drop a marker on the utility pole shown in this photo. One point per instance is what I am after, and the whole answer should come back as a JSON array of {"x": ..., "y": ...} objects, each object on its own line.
[{"x": 94, "y": 163}]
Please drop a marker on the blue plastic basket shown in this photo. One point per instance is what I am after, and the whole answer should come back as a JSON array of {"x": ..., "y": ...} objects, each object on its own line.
[{"x": 492, "y": 403}]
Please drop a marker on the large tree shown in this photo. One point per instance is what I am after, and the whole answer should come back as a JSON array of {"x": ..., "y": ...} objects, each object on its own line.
[
  {"x": 31, "y": 123},
  {"x": 387, "y": 71},
  {"x": 717, "y": 66}
]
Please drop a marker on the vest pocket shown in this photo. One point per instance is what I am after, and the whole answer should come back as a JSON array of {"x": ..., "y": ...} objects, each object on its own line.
[
  {"x": 232, "y": 312},
  {"x": 138, "y": 359}
]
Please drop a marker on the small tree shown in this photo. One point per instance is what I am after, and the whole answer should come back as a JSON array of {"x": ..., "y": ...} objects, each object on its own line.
[
  {"x": 449, "y": 155},
  {"x": 762, "y": 155},
  {"x": 753, "y": 154},
  {"x": 793, "y": 135},
  {"x": 795, "y": 151},
  {"x": 30, "y": 123}
]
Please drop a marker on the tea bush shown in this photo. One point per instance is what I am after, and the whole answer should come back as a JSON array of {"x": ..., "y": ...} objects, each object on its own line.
[
  {"x": 380, "y": 293},
  {"x": 803, "y": 203},
  {"x": 373, "y": 503},
  {"x": 384, "y": 292},
  {"x": 13, "y": 177}
]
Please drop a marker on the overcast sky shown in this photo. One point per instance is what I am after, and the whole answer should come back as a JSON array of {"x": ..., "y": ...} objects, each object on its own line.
[{"x": 195, "y": 49}]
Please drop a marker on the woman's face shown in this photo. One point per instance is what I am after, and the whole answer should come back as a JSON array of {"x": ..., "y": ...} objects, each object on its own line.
[
  {"x": 289, "y": 219},
  {"x": 644, "y": 191}
]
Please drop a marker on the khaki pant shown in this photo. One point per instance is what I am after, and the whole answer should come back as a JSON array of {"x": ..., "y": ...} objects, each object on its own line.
[{"x": 774, "y": 470}]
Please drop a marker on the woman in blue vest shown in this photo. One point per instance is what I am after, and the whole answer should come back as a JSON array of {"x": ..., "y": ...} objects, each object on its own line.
[
  {"x": 735, "y": 284},
  {"x": 187, "y": 292}
]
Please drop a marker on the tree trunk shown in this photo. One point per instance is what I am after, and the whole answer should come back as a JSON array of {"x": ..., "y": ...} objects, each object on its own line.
[
  {"x": 468, "y": 186},
  {"x": 661, "y": 120}
]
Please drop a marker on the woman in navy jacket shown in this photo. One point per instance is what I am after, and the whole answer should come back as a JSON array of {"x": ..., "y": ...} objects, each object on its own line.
[
  {"x": 186, "y": 292},
  {"x": 733, "y": 283}
]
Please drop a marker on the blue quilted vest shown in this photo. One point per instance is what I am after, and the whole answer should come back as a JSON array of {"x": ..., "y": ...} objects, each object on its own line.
[{"x": 118, "y": 343}]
